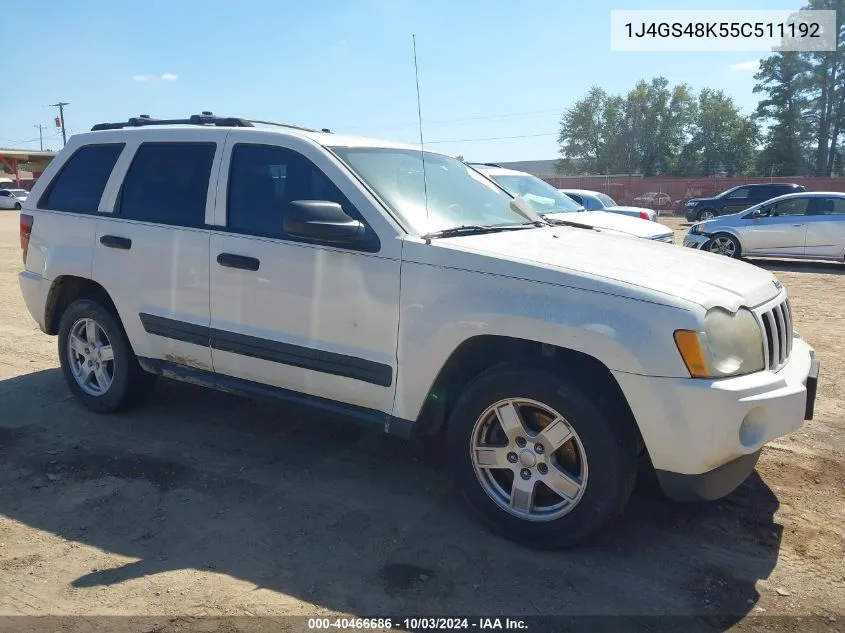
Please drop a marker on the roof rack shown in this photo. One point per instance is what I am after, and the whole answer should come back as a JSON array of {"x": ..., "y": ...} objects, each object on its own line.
[
  {"x": 287, "y": 125},
  {"x": 206, "y": 118},
  {"x": 486, "y": 164}
]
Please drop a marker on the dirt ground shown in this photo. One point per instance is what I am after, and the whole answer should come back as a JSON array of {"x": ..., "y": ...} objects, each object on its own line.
[{"x": 206, "y": 504}]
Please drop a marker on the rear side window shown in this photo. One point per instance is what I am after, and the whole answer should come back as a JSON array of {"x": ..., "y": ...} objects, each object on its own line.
[
  {"x": 80, "y": 183},
  {"x": 167, "y": 183},
  {"x": 263, "y": 180}
]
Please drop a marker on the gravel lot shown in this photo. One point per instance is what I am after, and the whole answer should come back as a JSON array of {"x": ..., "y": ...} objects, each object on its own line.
[{"x": 202, "y": 503}]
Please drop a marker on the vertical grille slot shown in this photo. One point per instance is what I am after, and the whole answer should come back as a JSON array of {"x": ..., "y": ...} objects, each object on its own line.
[
  {"x": 772, "y": 339},
  {"x": 777, "y": 341},
  {"x": 780, "y": 321}
]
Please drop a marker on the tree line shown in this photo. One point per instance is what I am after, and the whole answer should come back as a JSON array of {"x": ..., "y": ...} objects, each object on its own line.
[{"x": 659, "y": 129}]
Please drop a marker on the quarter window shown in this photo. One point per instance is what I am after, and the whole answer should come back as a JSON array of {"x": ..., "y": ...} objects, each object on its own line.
[{"x": 80, "y": 183}]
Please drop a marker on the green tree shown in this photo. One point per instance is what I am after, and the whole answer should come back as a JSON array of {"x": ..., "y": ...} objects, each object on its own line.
[
  {"x": 582, "y": 132},
  {"x": 722, "y": 139},
  {"x": 782, "y": 78}
]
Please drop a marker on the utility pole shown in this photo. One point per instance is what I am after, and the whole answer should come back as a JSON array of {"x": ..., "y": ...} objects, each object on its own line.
[
  {"x": 61, "y": 106},
  {"x": 40, "y": 135}
]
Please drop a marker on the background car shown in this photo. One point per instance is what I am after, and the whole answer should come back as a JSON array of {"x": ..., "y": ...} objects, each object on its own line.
[
  {"x": 12, "y": 198},
  {"x": 800, "y": 225},
  {"x": 554, "y": 206},
  {"x": 654, "y": 199},
  {"x": 598, "y": 201},
  {"x": 736, "y": 200}
]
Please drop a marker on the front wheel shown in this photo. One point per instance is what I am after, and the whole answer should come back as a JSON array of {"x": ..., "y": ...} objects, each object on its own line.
[
  {"x": 97, "y": 360},
  {"x": 707, "y": 214},
  {"x": 18, "y": 206},
  {"x": 540, "y": 461},
  {"x": 724, "y": 244}
]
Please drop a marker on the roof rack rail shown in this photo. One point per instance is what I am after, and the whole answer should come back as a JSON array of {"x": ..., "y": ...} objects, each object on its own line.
[
  {"x": 206, "y": 118},
  {"x": 486, "y": 164},
  {"x": 287, "y": 125}
]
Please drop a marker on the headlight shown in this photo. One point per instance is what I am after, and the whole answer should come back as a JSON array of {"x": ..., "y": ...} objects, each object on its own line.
[
  {"x": 695, "y": 229},
  {"x": 731, "y": 345}
]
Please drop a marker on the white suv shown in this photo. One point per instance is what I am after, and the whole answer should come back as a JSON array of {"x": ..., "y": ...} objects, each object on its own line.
[{"x": 410, "y": 292}]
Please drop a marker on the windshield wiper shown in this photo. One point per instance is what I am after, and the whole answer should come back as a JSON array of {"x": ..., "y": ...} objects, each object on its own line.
[
  {"x": 475, "y": 229},
  {"x": 577, "y": 225}
]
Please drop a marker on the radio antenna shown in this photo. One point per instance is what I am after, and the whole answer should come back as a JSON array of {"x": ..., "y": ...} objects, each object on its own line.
[{"x": 419, "y": 118}]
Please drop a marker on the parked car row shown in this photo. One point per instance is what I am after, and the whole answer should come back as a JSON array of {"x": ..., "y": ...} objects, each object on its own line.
[
  {"x": 12, "y": 198},
  {"x": 409, "y": 291}
]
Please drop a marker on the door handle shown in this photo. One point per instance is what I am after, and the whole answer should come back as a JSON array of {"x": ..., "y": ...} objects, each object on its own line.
[
  {"x": 230, "y": 260},
  {"x": 797, "y": 225},
  {"x": 115, "y": 241}
]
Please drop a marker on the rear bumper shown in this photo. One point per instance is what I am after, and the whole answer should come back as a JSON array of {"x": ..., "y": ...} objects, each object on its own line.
[{"x": 34, "y": 289}]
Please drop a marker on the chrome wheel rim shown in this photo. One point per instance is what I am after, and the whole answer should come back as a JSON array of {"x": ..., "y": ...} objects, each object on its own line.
[
  {"x": 91, "y": 357},
  {"x": 708, "y": 215},
  {"x": 528, "y": 459},
  {"x": 723, "y": 246}
]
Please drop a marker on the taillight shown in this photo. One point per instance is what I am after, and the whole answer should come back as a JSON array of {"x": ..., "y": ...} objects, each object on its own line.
[
  {"x": 644, "y": 215},
  {"x": 26, "y": 231}
]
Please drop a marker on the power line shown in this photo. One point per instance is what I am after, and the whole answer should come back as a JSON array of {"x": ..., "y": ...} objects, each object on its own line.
[{"x": 492, "y": 138}]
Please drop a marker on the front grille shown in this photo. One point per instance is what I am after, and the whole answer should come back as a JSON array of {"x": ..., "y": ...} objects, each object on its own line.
[{"x": 777, "y": 343}]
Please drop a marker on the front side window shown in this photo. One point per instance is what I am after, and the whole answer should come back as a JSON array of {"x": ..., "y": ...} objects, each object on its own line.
[
  {"x": 264, "y": 180},
  {"x": 451, "y": 194},
  {"x": 793, "y": 206},
  {"x": 80, "y": 183},
  {"x": 740, "y": 193},
  {"x": 167, "y": 183}
]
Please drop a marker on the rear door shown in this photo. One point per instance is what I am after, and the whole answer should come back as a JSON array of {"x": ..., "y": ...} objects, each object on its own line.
[
  {"x": 826, "y": 228},
  {"x": 780, "y": 229},
  {"x": 151, "y": 250}
]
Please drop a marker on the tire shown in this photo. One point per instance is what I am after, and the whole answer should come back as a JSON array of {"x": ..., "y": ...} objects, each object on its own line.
[
  {"x": 600, "y": 458},
  {"x": 125, "y": 384},
  {"x": 724, "y": 244},
  {"x": 707, "y": 214},
  {"x": 17, "y": 206}
]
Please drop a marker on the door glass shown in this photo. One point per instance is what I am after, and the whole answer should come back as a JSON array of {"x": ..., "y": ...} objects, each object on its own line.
[
  {"x": 740, "y": 194},
  {"x": 167, "y": 183},
  {"x": 263, "y": 180},
  {"x": 82, "y": 180},
  {"x": 830, "y": 206},
  {"x": 791, "y": 207}
]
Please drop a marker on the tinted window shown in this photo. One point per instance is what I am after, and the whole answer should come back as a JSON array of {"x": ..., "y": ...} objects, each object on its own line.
[
  {"x": 576, "y": 198},
  {"x": 5, "y": 193},
  {"x": 606, "y": 200},
  {"x": 79, "y": 185},
  {"x": 168, "y": 183},
  {"x": 827, "y": 206},
  {"x": 741, "y": 193},
  {"x": 264, "y": 180}
]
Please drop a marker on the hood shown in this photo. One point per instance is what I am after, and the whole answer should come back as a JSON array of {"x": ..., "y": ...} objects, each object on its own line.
[
  {"x": 733, "y": 219},
  {"x": 623, "y": 223},
  {"x": 622, "y": 207},
  {"x": 24, "y": 197},
  {"x": 697, "y": 200},
  {"x": 634, "y": 268}
]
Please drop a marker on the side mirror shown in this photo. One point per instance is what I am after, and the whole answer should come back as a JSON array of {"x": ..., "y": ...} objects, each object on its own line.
[{"x": 325, "y": 221}]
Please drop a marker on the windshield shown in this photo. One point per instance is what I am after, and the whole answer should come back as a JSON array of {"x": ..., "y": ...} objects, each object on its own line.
[
  {"x": 606, "y": 200},
  {"x": 452, "y": 194},
  {"x": 542, "y": 197}
]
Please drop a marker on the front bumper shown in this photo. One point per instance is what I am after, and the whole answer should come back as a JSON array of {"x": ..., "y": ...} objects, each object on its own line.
[
  {"x": 695, "y": 241},
  {"x": 690, "y": 214},
  {"x": 702, "y": 435}
]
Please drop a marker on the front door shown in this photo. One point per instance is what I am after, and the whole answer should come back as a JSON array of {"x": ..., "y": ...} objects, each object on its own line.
[
  {"x": 779, "y": 230},
  {"x": 312, "y": 318}
]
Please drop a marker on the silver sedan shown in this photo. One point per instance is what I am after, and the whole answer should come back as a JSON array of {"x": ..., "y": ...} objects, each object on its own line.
[{"x": 807, "y": 225}]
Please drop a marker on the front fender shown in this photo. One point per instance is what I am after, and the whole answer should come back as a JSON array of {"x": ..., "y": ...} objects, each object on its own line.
[{"x": 441, "y": 308}]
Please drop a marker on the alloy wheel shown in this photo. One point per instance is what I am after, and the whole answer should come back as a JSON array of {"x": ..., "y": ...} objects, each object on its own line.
[{"x": 91, "y": 357}]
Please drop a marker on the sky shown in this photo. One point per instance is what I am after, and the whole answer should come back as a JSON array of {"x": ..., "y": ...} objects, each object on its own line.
[{"x": 487, "y": 68}]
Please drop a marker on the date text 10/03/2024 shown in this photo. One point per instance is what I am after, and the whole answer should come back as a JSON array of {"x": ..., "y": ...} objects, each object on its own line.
[{"x": 418, "y": 624}]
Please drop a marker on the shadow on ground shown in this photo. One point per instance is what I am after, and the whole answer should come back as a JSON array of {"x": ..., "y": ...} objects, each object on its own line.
[
  {"x": 799, "y": 266},
  {"x": 345, "y": 518}
]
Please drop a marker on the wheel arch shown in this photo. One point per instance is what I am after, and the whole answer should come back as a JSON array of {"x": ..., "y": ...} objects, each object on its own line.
[
  {"x": 731, "y": 231},
  {"x": 482, "y": 352},
  {"x": 66, "y": 289}
]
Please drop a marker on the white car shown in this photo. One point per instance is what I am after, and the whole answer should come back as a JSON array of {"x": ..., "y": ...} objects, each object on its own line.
[
  {"x": 804, "y": 225},
  {"x": 554, "y": 206},
  {"x": 598, "y": 201},
  {"x": 409, "y": 292},
  {"x": 12, "y": 198}
]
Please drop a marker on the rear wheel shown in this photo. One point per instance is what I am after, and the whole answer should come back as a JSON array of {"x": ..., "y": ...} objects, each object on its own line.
[
  {"x": 97, "y": 360},
  {"x": 724, "y": 244},
  {"x": 707, "y": 214},
  {"x": 537, "y": 459}
]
